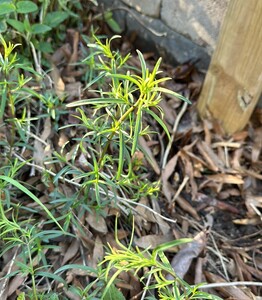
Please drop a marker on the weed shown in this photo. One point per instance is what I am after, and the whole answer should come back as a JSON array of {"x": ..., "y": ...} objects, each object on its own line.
[{"x": 113, "y": 133}]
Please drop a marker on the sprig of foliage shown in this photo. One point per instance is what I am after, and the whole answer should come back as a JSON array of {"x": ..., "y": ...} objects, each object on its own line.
[
  {"x": 118, "y": 122},
  {"x": 127, "y": 259}
]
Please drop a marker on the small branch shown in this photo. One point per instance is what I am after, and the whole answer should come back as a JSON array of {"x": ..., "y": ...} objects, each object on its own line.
[
  {"x": 120, "y": 199},
  {"x": 226, "y": 284}
]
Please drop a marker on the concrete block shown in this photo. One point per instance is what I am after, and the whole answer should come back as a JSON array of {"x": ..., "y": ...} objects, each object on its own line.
[
  {"x": 173, "y": 47},
  {"x": 199, "y": 20},
  {"x": 150, "y": 8}
]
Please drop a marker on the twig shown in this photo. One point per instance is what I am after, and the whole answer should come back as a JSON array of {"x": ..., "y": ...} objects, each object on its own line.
[
  {"x": 6, "y": 278},
  {"x": 220, "y": 257},
  {"x": 147, "y": 284},
  {"x": 120, "y": 199},
  {"x": 225, "y": 284},
  {"x": 179, "y": 190}
]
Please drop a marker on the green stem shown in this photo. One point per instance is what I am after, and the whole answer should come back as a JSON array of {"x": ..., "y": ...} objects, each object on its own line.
[{"x": 118, "y": 123}]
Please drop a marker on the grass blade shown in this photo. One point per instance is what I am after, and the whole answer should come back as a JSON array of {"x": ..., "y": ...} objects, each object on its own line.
[{"x": 31, "y": 195}]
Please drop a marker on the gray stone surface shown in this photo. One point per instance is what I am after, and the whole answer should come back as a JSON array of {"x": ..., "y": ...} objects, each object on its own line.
[
  {"x": 179, "y": 30},
  {"x": 150, "y": 8},
  {"x": 173, "y": 47},
  {"x": 199, "y": 20}
]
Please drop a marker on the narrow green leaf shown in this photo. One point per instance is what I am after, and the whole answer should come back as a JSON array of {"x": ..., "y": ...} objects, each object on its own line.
[
  {"x": 113, "y": 25},
  {"x": 3, "y": 103},
  {"x": 95, "y": 101},
  {"x": 167, "y": 91},
  {"x": 156, "y": 67},
  {"x": 97, "y": 78},
  {"x": 75, "y": 266},
  {"x": 143, "y": 64},
  {"x": 53, "y": 19},
  {"x": 6, "y": 8},
  {"x": 40, "y": 28},
  {"x": 19, "y": 26},
  {"x": 121, "y": 155},
  {"x": 31, "y": 195},
  {"x": 137, "y": 130},
  {"x": 113, "y": 294},
  {"x": 127, "y": 77},
  {"x": 159, "y": 120},
  {"x": 25, "y": 7},
  {"x": 168, "y": 245},
  {"x": 3, "y": 26},
  {"x": 52, "y": 276}
]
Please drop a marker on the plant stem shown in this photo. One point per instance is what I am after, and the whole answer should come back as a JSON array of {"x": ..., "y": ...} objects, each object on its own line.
[{"x": 118, "y": 123}]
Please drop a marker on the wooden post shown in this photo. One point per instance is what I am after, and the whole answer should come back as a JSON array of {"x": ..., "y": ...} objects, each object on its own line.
[{"x": 233, "y": 83}]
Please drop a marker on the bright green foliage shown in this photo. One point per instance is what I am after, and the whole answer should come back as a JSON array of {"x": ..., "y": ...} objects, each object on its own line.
[
  {"x": 118, "y": 121},
  {"x": 126, "y": 259}
]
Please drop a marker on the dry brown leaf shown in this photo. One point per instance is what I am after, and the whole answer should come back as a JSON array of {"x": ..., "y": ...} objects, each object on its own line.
[
  {"x": 168, "y": 191},
  {"x": 257, "y": 146},
  {"x": 71, "y": 251},
  {"x": 71, "y": 295},
  {"x": 188, "y": 171},
  {"x": 153, "y": 240},
  {"x": 73, "y": 91},
  {"x": 213, "y": 161},
  {"x": 136, "y": 286},
  {"x": 58, "y": 82},
  {"x": 15, "y": 283},
  {"x": 98, "y": 252},
  {"x": 61, "y": 53},
  {"x": 253, "y": 203},
  {"x": 149, "y": 155},
  {"x": 41, "y": 148},
  {"x": 226, "y": 144},
  {"x": 97, "y": 222},
  {"x": 170, "y": 167},
  {"x": 163, "y": 225},
  {"x": 187, "y": 207},
  {"x": 226, "y": 178},
  {"x": 166, "y": 173},
  {"x": 169, "y": 113},
  {"x": 249, "y": 221},
  {"x": 144, "y": 217},
  {"x": 183, "y": 259},
  {"x": 73, "y": 35},
  {"x": 230, "y": 291}
]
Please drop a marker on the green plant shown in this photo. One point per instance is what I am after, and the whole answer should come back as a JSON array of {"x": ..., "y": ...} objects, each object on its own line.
[
  {"x": 126, "y": 259},
  {"x": 114, "y": 129},
  {"x": 11, "y": 87}
]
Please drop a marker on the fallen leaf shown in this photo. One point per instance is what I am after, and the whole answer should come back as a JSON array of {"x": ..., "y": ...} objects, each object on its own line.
[
  {"x": 71, "y": 251},
  {"x": 186, "y": 206},
  {"x": 213, "y": 161},
  {"x": 226, "y": 178},
  {"x": 183, "y": 259},
  {"x": 148, "y": 153},
  {"x": 153, "y": 240},
  {"x": 233, "y": 292},
  {"x": 97, "y": 222},
  {"x": 98, "y": 252},
  {"x": 59, "y": 85}
]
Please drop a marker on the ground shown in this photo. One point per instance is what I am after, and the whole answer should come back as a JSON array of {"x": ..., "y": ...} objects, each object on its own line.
[{"x": 209, "y": 187}]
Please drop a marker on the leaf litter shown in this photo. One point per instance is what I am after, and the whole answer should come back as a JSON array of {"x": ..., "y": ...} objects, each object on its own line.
[{"x": 205, "y": 175}]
